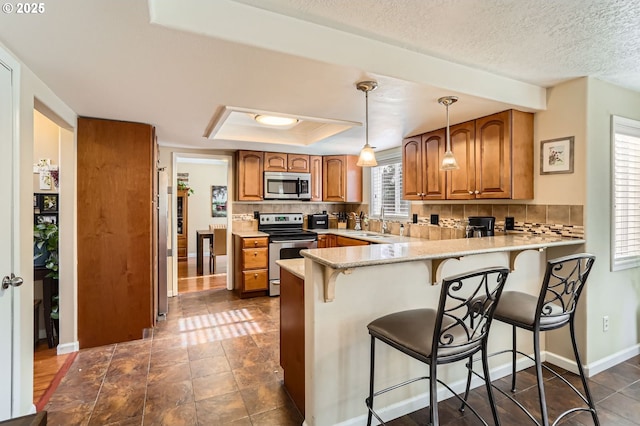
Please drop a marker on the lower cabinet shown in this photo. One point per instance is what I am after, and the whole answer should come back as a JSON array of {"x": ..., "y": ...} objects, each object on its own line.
[
  {"x": 251, "y": 263},
  {"x": 292, "y": 335},
  {"x": 346, "y": 242}
]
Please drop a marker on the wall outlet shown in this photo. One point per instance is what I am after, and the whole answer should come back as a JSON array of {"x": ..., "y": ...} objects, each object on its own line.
[{"x": 605, "y": 323}]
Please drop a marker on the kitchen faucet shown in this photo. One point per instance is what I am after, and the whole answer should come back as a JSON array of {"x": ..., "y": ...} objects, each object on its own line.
[{"x": 384, "y": 223}]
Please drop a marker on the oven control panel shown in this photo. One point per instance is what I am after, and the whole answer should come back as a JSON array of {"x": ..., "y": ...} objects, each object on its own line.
[{"x": 281, "y": 219}]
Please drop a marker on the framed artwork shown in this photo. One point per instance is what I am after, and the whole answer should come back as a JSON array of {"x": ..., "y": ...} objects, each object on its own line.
[
  {"x": 218, "y": 201},
  {"x": 49, "y": 203},
  {"x": 556, "y": 156},
  {"x": 46, "y": 218}
]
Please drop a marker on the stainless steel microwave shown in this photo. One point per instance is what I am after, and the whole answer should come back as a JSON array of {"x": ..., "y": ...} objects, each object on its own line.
[{"x": 287, "y": 186}]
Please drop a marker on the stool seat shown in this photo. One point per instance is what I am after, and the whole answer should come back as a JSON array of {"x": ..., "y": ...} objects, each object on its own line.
[{"x": 520, "y": 309}]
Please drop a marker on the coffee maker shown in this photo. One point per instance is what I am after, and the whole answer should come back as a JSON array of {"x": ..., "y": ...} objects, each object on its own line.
[{"x": 481, "y": 226}]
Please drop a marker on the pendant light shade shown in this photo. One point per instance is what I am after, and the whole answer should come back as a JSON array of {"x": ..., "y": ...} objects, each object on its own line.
[
  {"x": 448, "y": 161},
  {"x": 367, "y": 156}
]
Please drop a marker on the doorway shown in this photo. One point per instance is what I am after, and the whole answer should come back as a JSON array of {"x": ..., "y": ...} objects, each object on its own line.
[{"x": 202, "y": 210}]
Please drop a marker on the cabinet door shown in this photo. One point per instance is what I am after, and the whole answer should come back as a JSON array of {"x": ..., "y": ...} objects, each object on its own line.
[
  {"x": 275, "y": 162},
  {"x": 298, "y": 163},
  {"x": 347, "y": 242},
  {"x": 493, "y": 156},
  {"x": 315, "y": 167},
  {"x": 461, "y": 183},
  {"x": 433, "y": 147},
  {"x": 322, "y": 241},
  {"x": 331, "y": 241},
  {"x": 412, "y": 168},
  {"x": 250, "y": 176},
  {"x": 333, "y": 178}
]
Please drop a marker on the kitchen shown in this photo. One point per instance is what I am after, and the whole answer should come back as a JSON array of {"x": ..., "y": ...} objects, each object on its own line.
[{"x": 565, "y": 110}]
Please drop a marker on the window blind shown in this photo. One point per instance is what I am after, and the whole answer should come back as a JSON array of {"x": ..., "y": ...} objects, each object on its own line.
[
  {"x": 626, "y": 194},
  {"x": 386, "y": 187}
]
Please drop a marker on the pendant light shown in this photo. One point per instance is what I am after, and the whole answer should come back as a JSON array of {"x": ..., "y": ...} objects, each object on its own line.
[
  {"x": 367, "y": 157},
  {"x": 449, "y": 161}
]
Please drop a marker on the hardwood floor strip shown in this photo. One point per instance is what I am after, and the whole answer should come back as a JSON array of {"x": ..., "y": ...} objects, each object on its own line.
[{"x": 56, "y": 381}]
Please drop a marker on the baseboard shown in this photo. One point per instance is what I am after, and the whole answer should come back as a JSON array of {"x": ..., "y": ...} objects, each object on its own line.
[
  {"x": 611, "y": 360},
  {"x": 67, "y": 348}
]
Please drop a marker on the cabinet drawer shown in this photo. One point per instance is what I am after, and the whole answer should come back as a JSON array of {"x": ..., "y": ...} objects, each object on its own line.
[
  {"x": 255, "y": 258},
  {"x": 346, "y": 242},
  {"x": 255, "y": 280},
  {"x": 182, "y": 252},
  {"x": 255, "y": 242}
]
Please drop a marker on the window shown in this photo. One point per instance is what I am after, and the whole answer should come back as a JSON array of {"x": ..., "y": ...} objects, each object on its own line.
[
  {"x": 625, "y": 234},
  {"x": 386, "y": 186}
]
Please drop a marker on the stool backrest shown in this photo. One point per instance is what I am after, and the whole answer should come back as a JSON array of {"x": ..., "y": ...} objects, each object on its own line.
[
  {"x": 563, "y": 283},
  {"x": 465, "y": 311}
]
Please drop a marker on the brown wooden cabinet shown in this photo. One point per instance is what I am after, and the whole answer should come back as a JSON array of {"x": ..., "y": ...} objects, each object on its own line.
[
  {"x": 182, "y": 206},
  {"x": 249, "y": 176},
  {"x": 341, "y": 179},
  {"x": 315, "y": 168},
  {"x": 322, "y": 241},
  {"x": 116, "y": 166},
  {"x": 292, "y": 335},
  {"x": 422, "y": 155},
  {"x": 495, "y": 155},
  {"x": 251, "y": 263},
  {"x": 348, "y": 242},
  {"x": 282, "y": 162}
]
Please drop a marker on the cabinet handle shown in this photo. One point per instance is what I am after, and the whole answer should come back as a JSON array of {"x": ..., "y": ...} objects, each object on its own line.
[
  {"x": 255, "y": 275},
  {"x": 255, "y": 253},
  {"x": 470, "y": 192},
  {"x": 255, "y": 243},
  {"x": 476, "y": 191}
]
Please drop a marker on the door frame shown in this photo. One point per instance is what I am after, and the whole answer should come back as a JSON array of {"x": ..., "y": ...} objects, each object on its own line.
[{"x": 175, "y": 156}]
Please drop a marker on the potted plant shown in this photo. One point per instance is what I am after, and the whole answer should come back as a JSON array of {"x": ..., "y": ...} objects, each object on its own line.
[
  {"x": 45, "y": 241},
  {"x": 184, "y": 187}
]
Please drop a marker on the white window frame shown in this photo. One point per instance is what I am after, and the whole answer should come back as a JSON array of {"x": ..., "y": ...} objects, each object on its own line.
[
  {"x": 391, "y": 156},
  {"x": 625, "y": 127}
]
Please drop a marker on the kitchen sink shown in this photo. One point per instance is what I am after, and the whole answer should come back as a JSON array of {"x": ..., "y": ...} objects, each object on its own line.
[{"x": 368, "y": 235}]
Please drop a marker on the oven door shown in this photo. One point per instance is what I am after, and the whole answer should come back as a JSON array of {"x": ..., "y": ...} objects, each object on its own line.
[{"x": 289, "y": 249}]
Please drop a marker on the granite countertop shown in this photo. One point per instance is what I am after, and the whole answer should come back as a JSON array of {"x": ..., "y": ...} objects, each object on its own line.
[
  {"x": 379, "y": 254},
  {"x": 250, "y": 234},
  {"x": 295, "y": 266},
  {"x": 372, "y": 237}
]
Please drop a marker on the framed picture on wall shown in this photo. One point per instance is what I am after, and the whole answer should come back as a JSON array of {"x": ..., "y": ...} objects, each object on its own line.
[
  {"x": 46, "y": 218},
  {"x": 556, "y": 156},
  {"x": 48, "y": 203},
  {"x": 218, "y": 201}
]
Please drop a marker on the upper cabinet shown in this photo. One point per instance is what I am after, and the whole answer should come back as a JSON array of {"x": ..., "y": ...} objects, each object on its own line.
[
  {"x": 421, "y": 158},
  {"x": 315, "y": 167},
  {"x": 282, "y": 162},
  {"x": 495, "y": 155},
  {"x": 250, "y": 168},
  {"x": 341, "y": 179}
]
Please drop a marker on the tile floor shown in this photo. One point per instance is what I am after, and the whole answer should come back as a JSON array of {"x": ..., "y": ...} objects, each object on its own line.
[{"x": 215, "y": 362}]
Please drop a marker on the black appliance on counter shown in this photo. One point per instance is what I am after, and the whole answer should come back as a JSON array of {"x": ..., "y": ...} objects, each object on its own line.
[
  {"x": 481, "y": 226},
  {"x": 286, "y": 239},
  {"x": 318, "y": 221}
]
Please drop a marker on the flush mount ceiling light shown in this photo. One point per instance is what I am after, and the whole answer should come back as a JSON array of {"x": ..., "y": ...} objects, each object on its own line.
[
  {"x": 449, "y": 161},
  {"x": 273, "y": 120},
  {"x": 367, "y": 157}
]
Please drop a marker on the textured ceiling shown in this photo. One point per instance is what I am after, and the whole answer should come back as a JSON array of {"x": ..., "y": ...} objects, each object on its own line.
[
  {"x": 538, "y": 41},
  {"x": 110, "y": 59}
]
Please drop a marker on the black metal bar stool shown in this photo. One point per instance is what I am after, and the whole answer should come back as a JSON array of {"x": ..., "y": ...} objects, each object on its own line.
[
  {"x": 453, "y": 332},
  {"x": 553, "y": 308}
]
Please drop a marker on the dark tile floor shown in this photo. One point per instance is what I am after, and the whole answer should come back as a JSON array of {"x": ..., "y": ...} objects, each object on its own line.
[{"x": 215, "y": 361}]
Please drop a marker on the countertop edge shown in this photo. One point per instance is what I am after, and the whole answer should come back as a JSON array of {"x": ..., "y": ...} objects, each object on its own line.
[{"x": 443, "y": 255}]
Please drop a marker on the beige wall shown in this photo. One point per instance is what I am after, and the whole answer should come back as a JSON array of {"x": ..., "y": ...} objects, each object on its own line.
[
  {"x": 616, "y": 294},
  {"x": 46, "y": 140},
  {"x": 565, "y": 116}
]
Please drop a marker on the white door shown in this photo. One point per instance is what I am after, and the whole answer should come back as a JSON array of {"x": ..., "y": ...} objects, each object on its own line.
[{"x": 7, "y": 236}]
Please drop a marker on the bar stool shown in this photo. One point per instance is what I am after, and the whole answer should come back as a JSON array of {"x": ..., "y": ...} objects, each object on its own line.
[
  {"x": 553, "y": 308},
  {"x": 455, "y": 331}
]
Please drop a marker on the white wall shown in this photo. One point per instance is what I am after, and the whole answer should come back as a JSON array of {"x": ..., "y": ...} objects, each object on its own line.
[{"x": 616, "y": 294}]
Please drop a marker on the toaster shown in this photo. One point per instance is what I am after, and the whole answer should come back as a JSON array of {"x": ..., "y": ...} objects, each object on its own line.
[{"x": 318, "y": 221}]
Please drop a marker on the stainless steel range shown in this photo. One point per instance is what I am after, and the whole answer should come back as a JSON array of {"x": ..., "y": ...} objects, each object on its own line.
[{"x": 286, "y": 239}]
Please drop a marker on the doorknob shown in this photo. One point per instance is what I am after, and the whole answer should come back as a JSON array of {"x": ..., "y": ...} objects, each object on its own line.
[{"x": 11, "y": 280}]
